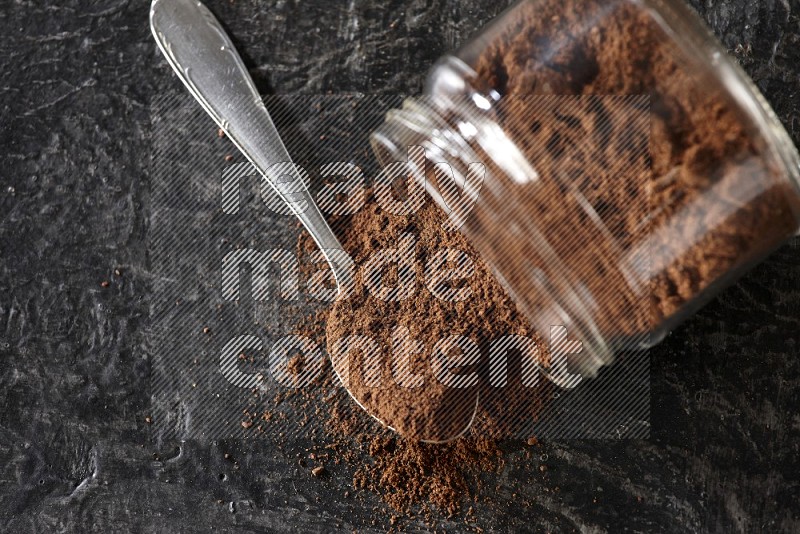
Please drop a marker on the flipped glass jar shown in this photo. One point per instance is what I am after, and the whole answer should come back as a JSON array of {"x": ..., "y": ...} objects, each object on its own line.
[{"x": 630, "y": 168}]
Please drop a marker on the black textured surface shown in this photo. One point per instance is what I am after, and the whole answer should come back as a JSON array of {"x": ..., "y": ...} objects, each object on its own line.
[{"x": 78, "y": 79}]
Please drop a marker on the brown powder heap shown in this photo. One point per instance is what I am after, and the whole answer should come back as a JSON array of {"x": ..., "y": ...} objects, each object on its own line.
[
  {"x": 412, "y": 478},
  {"x": 697, "y": 139},
  {"x": 432, "y": 411}
]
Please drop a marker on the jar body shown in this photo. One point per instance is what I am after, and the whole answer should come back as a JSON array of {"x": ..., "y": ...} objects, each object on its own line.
[{"x": 632, "y": 170}]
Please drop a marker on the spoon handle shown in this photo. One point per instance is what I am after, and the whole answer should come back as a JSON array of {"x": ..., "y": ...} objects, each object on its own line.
[{"x": 204, "y": 58}]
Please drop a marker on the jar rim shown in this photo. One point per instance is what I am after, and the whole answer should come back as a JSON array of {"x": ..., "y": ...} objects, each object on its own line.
[{"x": 406, "y": 127}]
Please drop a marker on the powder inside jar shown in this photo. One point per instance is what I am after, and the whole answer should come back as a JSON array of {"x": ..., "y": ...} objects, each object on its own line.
[{"x": 648, "y": 231}]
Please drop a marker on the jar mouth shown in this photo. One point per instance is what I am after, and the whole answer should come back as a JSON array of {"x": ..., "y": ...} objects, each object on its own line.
[
  {"x": 403, "y": 127},
  {"x": 420, "y": 124}
]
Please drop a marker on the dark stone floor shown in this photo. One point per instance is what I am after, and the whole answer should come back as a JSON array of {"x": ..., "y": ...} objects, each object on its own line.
[{"x": 78, "y": 80}]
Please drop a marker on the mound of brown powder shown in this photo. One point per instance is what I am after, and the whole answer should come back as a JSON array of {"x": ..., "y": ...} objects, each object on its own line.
[
  {"x": 409, "y": 476},
  {"x": 430, "y": 410}
]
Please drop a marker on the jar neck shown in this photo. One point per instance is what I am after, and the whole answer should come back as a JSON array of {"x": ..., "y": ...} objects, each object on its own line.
[
  {"x": 454, "y": 122},
  {"x": 460, "y": 130}
]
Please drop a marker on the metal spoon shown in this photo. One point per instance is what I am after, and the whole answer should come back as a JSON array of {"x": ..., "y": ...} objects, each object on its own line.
[{"x": 204, "y": 58}]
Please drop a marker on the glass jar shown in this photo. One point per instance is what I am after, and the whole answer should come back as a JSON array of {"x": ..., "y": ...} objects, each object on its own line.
[{"x": 632, "y": 170}]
